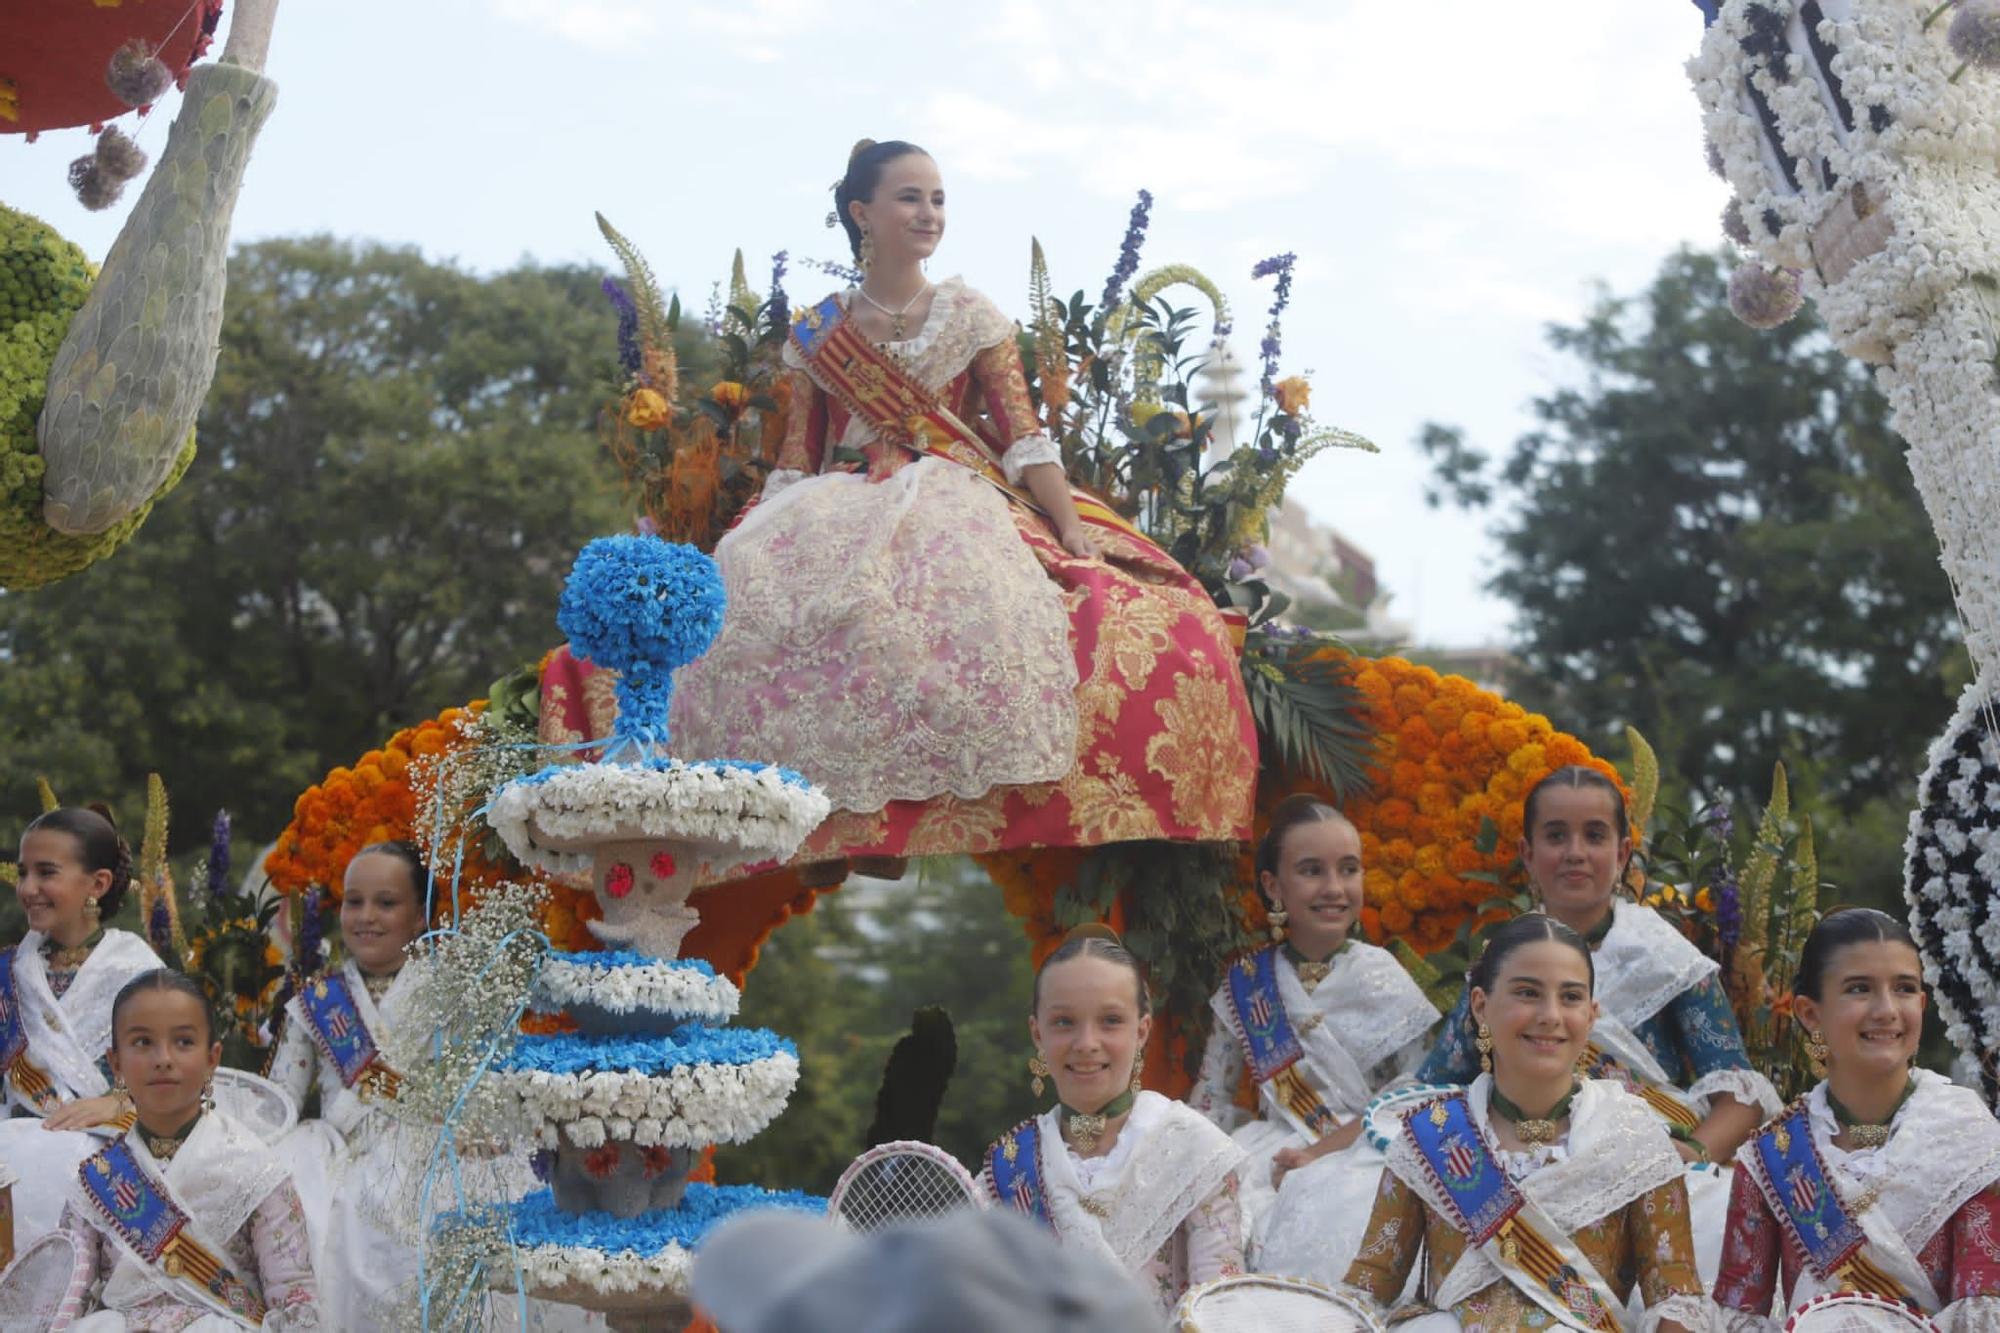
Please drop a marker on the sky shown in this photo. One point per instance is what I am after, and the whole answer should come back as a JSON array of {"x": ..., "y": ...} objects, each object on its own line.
[{"x": 1453, "y": 175}]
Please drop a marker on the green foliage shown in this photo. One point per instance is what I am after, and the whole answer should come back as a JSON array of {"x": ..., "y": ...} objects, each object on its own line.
[
  {"x": 1711, "y": 534},
  {"x": 43, "y": 283},
  {"x": 1309, "y": 711},
  {"x": 399, "y": 465},
  {"x": 844, "y": 983}
]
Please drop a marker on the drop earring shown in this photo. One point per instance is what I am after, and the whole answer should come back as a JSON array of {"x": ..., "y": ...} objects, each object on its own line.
[
  {"x": 208, "y": 1096},
  {"x": 93, "y": 912},
  {"x": 1816, "y": 1053},
  {"x": 867, "y": 251},
  {"x": 1040, "y": 1069},
  {"x": 1484, "y": 1041},
  {"x": 1279, "y": 916},
  {"x": 1138, "y": 1067}
]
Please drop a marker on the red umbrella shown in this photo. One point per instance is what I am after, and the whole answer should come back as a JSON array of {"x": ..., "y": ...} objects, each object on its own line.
[{"x": 53, "y": 62}]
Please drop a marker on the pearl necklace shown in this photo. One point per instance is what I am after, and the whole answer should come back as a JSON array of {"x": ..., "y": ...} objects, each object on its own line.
[{"x": 896, "y": 317}]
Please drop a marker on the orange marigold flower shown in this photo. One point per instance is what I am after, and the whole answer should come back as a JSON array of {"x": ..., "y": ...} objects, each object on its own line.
[
  {"x": 1293, "y": 392},
  {"x": 730, "y": 396}
]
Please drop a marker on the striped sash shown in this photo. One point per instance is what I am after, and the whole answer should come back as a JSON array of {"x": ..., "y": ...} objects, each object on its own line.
[
  {"x": 27, "y": 1078},
  {"x": 139, "y": 1212},
  {"x": 1665, "y": 1102},
  {"x": 1533, "y": 1253},
  {"x": 1270, "y": 1047}
]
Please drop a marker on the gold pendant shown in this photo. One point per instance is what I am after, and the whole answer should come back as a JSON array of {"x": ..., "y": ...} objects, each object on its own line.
[
  {"x": 1868, "y": 1136},
  {"x": 1311, "y": 974},
  {"x": 1084, "y": 1131},
  {"x": 1536, "y": 1133}
]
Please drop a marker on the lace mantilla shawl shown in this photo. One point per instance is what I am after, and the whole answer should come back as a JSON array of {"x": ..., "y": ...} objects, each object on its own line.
[
  {"x": 341, "y": 1106},
  {"x": 66, "y": 1036},
  {"x": 1618, "y": 1151},
  {"x": 1367, "y": 1006},
  {"x": 220, "y": 1176},
  {"x": 1644, "y": 963},
  {"x": 962, "y": 324},
  {"x": 1133, "y": 1205},
  {"x": 1943, "y": 1148}
]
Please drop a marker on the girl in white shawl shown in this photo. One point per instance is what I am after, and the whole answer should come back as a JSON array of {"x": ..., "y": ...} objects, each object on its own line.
[
  {"x": 185, "y": 1222},
  {"x": 1322, "y": 1021},
  {"x": 56, "y": 989}
]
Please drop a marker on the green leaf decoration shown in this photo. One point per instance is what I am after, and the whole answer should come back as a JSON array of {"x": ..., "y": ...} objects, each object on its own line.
[
  {"x": 1645, "y": 780},
  {"x": 1312, "y": 713}
]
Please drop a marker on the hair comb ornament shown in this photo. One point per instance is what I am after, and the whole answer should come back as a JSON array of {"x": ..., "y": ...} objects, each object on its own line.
[{"x": 1093, "y": 930}]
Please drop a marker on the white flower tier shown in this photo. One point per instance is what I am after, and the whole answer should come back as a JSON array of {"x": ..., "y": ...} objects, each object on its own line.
[
  {"x": 728, "y": 813},
  {"x": 620, "y": 991}
]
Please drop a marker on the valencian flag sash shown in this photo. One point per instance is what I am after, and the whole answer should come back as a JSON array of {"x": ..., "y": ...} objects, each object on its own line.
[
  {"x": 1530, "y": 1251},
  {"x": 1015, "y": 1163},
  {"x": 343, "y": 1037},
  {"x": 1270, "y": 1046},
  {"x": 1834, "y": 1242},
  {"x": 1596, "y": 1063},
  {"x": 140, "y": 1213},
  {"x": 874, "y": 387},
  {"x": 26, "y": 1076}
]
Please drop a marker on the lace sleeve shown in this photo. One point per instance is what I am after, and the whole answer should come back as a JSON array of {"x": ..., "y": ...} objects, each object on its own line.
[
  {"x": 283, "y": 1248},
  {"x": 84, "y": 1274},
  {"x": 1214, "y": 1235},
  {"x": 1390, "y": 1246},
  {"x": 1976, "y": 1314},
  {"x": 294, "y": 1061},
  {"x": 1748, "y": 1278},
  {"x": 1214, "y": 1093}
]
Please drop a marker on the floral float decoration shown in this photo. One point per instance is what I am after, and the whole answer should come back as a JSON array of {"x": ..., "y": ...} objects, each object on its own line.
[{"x": 623, "y": 1107}]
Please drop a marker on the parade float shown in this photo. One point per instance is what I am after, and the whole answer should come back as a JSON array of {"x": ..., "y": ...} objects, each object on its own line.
[
  {"x": 1861, "y": 143},
  {"x": 103, "y": 372}
]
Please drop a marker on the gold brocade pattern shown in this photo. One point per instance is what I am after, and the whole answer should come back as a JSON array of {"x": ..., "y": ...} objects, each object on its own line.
[
  {"x": 971, "y": 826},
  {"x": 1194, "y": 752},
  {"x": 1106, "y": 806}
]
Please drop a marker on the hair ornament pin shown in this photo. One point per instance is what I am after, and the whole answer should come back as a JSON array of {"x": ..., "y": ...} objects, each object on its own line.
[{"x": 832, "y": 219}]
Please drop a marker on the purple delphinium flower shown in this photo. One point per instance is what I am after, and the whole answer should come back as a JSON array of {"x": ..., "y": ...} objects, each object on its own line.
[
  {"x": 1239, "y": 570},
  {"x": 1281, "y": 265},
  {"x": 1728, "y": 911},
  {"x": 1721, "y": 825},
  {"x": 312, "y": 931},
  {"x": 849, "y": 275},
  {"x": 160, "y": 928},
  {"x": 628, "y": 325},
  {"x": 1128, "y": 252},
  {"x": 218, "y": 856}
]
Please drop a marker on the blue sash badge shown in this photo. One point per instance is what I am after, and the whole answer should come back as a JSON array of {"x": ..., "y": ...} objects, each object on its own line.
[
  {"x": 1268, "y": 1040},
  {"x": 13, "y": 1037},
  {"x": 131, "y": 1203},
  {"x": 1015, "y": 1163},
  {"x": 1797, "y": 1185},
  {"x": 1457, "y": 1158},
  {"x": 337, "y": 1026}
]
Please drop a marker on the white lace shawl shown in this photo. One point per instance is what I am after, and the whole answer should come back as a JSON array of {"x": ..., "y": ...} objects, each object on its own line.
[
  {"x": 1366, "y": 1011},
  {"x": 341, "y": 1106},
  {"x": 962, "y": 323},
  {"x": 67, "y": 1037},
  {"x": 1643, "y": 965},
  {"x": 1125, "y": 1205},
  {"x": 219, "y": 1177},
  {"x": 1618, "y": 1150},
  {"x": 1943, "y": 1148}
]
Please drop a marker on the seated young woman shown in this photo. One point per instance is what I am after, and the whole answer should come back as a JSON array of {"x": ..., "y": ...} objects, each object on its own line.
[
  {"x": 1534, "y": 1197},
  {"x": 1322, "y": 1021},
  {"x": 1144, "y": 1183},
  {"x": 1882, "y": 1181}
]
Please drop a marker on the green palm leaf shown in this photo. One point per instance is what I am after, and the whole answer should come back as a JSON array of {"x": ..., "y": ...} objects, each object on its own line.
[{"x": 1311, "y": 713}]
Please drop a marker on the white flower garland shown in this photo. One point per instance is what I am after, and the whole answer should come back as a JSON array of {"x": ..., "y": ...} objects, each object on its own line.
[
  {"x": 690, "y": 1107},
  {"x": 1951, "y": 859},
  {"x": 611, "y": 1273},
  {"x": 674, "y": 990},
  {"x": 548, "y": 820}
]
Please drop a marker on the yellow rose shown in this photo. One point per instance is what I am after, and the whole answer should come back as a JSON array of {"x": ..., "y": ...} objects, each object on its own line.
[
  {"x": 1294, "y": 393},
  {"x": 646, "y": 409},
  {"x": 730, "y": 396}
]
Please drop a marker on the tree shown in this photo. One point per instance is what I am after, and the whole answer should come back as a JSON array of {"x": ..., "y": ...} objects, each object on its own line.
[
  {"x": 397, "y": 463},
  {"x": 1713, "y": 536}
]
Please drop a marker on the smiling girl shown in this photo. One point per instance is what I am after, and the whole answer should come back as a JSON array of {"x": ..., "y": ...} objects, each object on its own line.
[
  {"x": 1322, "y": 1021},
  {"x": 1536, "y": 1198},
  {"x": 1882, "y": 1180},
  {"x": 56, "y": 989},
  {"x": 1145, "y": 1183},
  {"x": 336, "y": 1030},
  {"x": 187, "y": 1221},
  {"x": 1665, "y": 1027}
]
